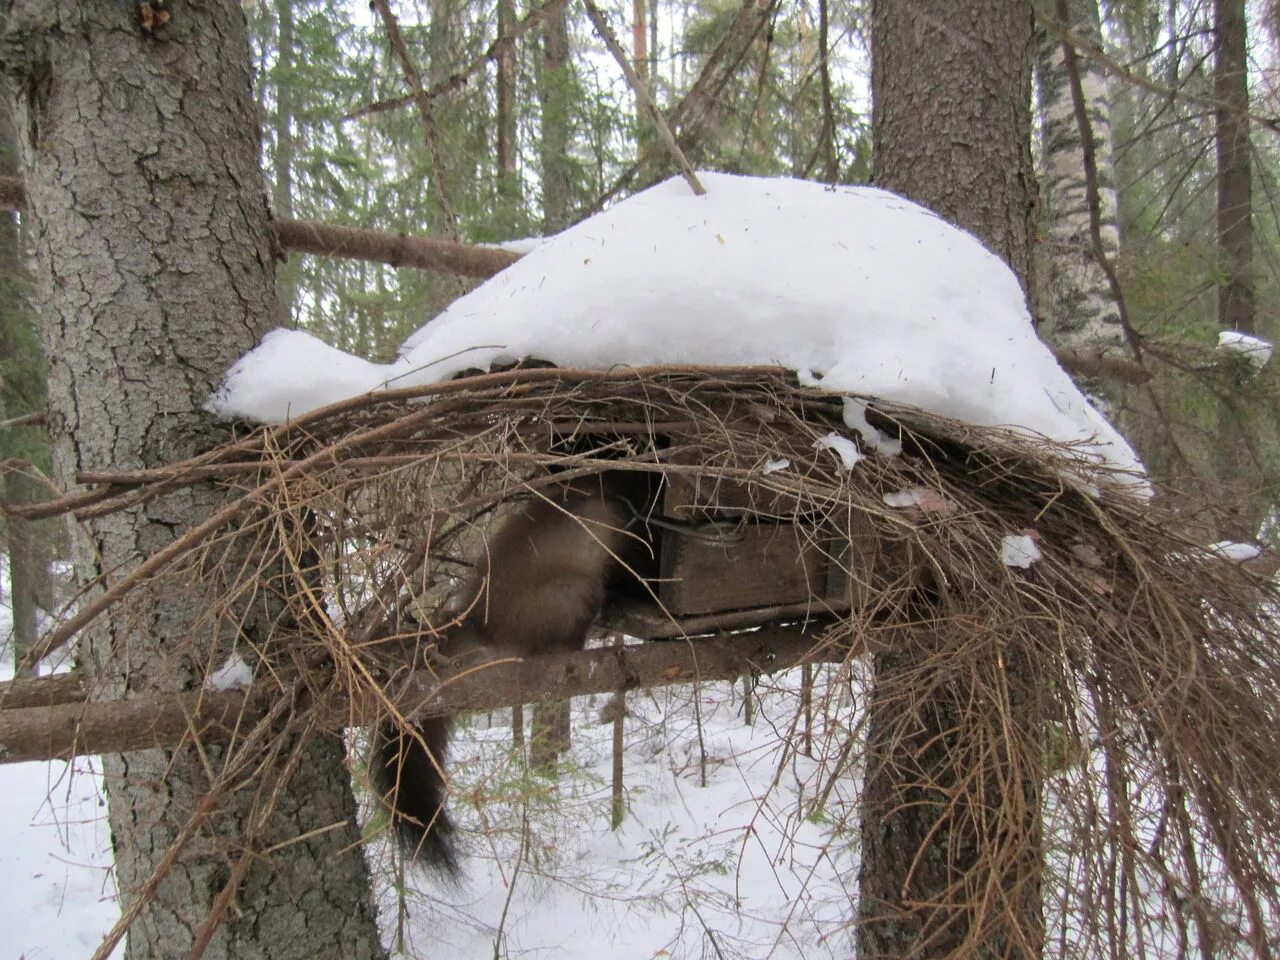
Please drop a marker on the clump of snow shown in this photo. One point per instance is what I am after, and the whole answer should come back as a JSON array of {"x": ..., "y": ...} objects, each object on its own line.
[
  {"x": 922, "y": 498},
  {"x": 855, "y": 416},
  {"x": 1235, "y": 551},
  {"x": 904, "y": 498},
  {"x": 522, "y": 245},
  {"x": 1254, "y": 349},
  {"x": 853, "y": 287},
  {"x": 843, "y": 447},
  {"x": 773, "y": 466},
  {"x": 234, "y": 674},
  {"x": 1019, "y": 550}
]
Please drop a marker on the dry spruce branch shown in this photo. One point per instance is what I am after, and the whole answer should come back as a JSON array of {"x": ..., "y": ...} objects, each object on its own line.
[{"x": 1150, "y": 667}]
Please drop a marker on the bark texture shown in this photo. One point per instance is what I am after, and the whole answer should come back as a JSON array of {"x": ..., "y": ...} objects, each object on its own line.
[
  {"x": 1244, "y": 495},
  {"x": 554, "y": 81},
  {"x": 1235, "y": 178},
  {"x": 951, "y": 111},
  {"x": 1079, "y": 311},
  {"x": 20, "y": 393},
  {"x": 154, "y": 271},
  {"x": 951, "y": 121}
]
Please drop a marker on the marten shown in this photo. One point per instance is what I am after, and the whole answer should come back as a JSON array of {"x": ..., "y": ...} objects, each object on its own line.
[{"x": 537, "y": 587}]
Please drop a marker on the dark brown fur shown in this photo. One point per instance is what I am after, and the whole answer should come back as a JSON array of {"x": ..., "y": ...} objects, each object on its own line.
[{"x": 538, "y": 586}]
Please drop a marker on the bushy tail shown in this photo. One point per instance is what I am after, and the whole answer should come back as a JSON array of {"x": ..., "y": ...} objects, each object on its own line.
[{"x": 406, "y": 769}]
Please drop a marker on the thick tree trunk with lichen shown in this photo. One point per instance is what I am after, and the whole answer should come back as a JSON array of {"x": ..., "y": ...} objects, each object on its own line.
[
  {"x": 950, "y": 868},
  {"x": 1079, "y": 310},
  {"x": 153, "y": 273}
]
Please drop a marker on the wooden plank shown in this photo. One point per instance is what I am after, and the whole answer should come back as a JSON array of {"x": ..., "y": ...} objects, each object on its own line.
[
  {"x": 648, "y": 621},
  {"x": 765, "y": 564},
  {"x": 76, "y": 729}
]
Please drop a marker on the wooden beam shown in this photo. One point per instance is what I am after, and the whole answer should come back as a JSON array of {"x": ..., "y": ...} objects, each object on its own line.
[{"x": 66, "y": 730}]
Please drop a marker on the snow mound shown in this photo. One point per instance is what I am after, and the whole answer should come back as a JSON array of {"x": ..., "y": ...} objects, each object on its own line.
[{"x": 852, "y": 287}]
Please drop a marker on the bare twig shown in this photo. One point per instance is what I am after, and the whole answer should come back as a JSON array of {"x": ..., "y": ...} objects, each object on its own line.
[
  {"x": 423, "y": 102},
  {"x": 457, "y": 81},
  {"x": 641, "y": 90}
]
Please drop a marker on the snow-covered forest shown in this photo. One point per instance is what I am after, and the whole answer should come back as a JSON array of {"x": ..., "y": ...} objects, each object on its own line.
[{"x": 956, "y": 544}]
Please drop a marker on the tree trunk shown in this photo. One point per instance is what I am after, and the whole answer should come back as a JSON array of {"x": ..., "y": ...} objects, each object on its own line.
[
  {"x": 549, "y": 731},
  {"x": 1245, "y": 499},
  {"x": 27, "y": 568},
  {"x": 951, "y": 111},
  {"x": 21, "y": 392},
  {"x": 1235, "y": 180},
  {"x": 640, "y": 39},
  {"x": 506, "y": 119},
  {"x": 554, "y": 84},
  {"x": 282, "y": 184},
  {"x": 944, "y": 873},
  {"x": 153, "y": 273},
  {"x": 1079, "y": 310}
]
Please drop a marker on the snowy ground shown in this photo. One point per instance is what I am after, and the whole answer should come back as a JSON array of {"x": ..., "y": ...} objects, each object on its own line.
[
  {"x": 753, "y": 864},
  {"x": 57, "y": 896},
  {"x": 741, "y": 862}
]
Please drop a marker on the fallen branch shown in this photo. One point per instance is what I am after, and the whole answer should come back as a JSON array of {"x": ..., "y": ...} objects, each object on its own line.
[
  {"x": 68, "y": 730},
  {"x": 119, "y": 726},
  {"x": 1106, "y": 365},
  {"x": 26, "y": 420},
  {"x": 354, "y": 243}
]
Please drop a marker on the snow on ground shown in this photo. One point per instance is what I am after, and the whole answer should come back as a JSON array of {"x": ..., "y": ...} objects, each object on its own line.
[
  {"x": 852, "y": 287},
  {"x": 57, "y": 897},
  {"x": 738, "y": 861},
  {"x": 688, "y": 859}
]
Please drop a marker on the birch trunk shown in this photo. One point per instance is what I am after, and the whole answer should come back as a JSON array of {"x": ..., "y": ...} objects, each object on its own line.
[{"x": 1079, "y": 310}]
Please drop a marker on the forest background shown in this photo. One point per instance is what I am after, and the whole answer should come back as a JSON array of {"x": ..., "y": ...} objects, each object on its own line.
[{"x": 1154, "y": 233}]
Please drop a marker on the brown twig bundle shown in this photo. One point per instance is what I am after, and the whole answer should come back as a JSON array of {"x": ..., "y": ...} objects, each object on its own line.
[{"x": 1092, "y": 738}]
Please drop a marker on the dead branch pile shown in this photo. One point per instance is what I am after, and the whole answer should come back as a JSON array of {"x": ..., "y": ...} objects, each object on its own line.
[{"x": 1114, "y": 705}]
